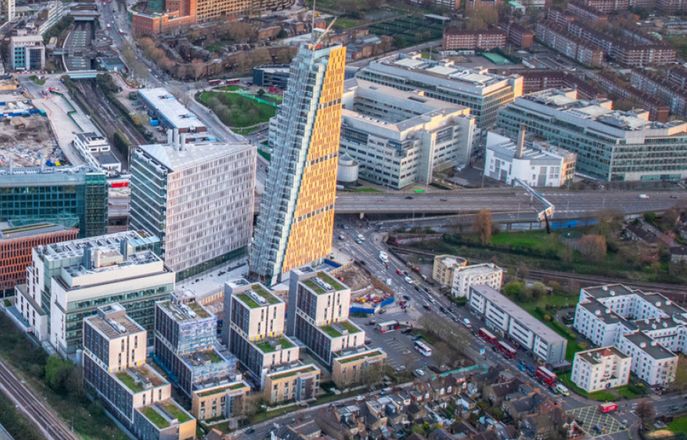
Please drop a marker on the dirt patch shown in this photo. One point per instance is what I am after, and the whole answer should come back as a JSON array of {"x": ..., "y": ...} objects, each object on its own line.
[{"x": 27, "y": 142}]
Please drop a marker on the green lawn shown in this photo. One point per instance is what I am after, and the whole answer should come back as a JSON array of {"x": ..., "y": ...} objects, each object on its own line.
[
  {"x": 630, "y": 391},
  {"x": 365, "y": 189},
  {"x": 236, "y": 111},
  {"x": 155, "y": 417},
  {"x": 538, "y": 241},
  {"x": 347, "y": 23},
  {"x": 678, "y": 425},
  {"x": 37, "y": 80},
  {"x": 129, "y": 382}
]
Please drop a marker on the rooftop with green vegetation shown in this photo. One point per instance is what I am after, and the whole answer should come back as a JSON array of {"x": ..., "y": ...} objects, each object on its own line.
[
  {"x": 199, "y": 358},
  {"x": 357, "y": 357},
  {"x": 139, "y": 379},
  {"x": 174, "y": 411},
  {"x": 222, "y": 389},
  {"x": 319, "y": 283},
  {"x": 155, "y": 417},
  {"x": 270, "y": 345},
  {"x": 337, "y": 329},
  {"x": 187, "y": 311},
  {"x": 293, "y": 372},
  {"x": 259, "y": 291}
]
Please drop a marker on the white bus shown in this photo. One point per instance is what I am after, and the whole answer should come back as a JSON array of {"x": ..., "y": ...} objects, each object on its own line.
[{"x": 423, "y": 348}]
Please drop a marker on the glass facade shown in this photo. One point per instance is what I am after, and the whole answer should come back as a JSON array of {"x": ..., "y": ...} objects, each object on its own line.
[{"x": 72, "y": 199}]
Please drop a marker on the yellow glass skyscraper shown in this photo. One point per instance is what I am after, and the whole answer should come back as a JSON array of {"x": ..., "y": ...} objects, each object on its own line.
[{"x": 296, "y": 219}]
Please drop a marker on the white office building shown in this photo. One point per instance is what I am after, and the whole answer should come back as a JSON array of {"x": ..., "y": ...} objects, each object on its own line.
[
  {"x": 27, "y": 52},
  {"x": 173, "y": 114},
  {"x": 600, "y": 369},
  {"x": 444, "y": 267},
  {"x": 400, "y": 138},
  {"x": 644, "y": 325},
  {"x": 610, "y": 144},
  {"x": 70, "y": 280},
  {"x": 197, "y": 197},
  {"x": 535, "y": 163},
  {"x": 7, "y": 10},
  {"x": 483, "y": 92},
  {"x": 507, "y": 318},
  {"x": 465, "y": 277},
  {"x": 95, "y": 149}
]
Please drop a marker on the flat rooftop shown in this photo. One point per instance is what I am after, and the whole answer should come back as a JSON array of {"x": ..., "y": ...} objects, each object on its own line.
[
  {"x": 289, "y": 371},
  {"x": 519, "y": 314},
  {"x": 114, "y": 325},
  {"x": 649, "y": 346},
  {"x": 256, "y": 296},
  {"x": 600, "y": 111},
  {"x": 200, "y": 358},
  {"x": 596, "y": 355},
  {"x": 75, "y": 248},
  {"x": 447, "y": 70},
  {"x": 336, "y": 329},
  {"x": 8, "y": 232},
  {"x": 533, "y": 151},
  {"x": 133, "y": 259},
  {"x": 353, "y": 357},
  {"x": 322, "y": 282},
  {"x": 140, "y": 378},
  {"x": 183, "y": 312},
  {"x": 44, "y": 176},
  {"x": 270, "y": 345},
  {"x": 165, "y": 104},
  {"x": 191, "y": 154},
  {"x": 165, "y": 414}
]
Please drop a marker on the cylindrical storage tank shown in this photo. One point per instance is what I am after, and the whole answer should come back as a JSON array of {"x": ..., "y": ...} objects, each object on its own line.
[{"x": 348, "y": 170}]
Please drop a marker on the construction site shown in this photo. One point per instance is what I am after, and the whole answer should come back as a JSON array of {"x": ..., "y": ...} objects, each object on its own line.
[{"x": 26, "y": 139}]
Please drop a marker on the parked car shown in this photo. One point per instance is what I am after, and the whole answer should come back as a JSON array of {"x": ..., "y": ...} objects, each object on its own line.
[{"x": 419, "y": 373}]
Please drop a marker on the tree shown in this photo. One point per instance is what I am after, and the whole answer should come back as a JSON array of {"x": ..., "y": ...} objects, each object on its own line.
[
  {"x": 538, "y": 290},
  {"x": 515, "y": 288},
  {"x": 483, "y": 226},
  {"x": 646, "y": 412},
  {"x": 261, "y": 93},
  {"x": 57, "y": 372},
  {"x": 592, "y": 247}
]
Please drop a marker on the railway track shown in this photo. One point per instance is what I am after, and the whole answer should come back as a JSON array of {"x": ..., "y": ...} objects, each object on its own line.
[{"x": 33, "y": 407}]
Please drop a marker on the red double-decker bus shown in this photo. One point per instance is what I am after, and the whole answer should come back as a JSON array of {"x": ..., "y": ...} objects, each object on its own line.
[
  {"x": 488, "y": 336},
  {"x": 608, "y": 407},
  {"x": 506, "y": 350},
  {"x": 545, "y": 375}
]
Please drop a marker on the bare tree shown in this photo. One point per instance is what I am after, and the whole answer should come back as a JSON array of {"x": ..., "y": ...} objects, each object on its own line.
[
  {"x": 592, "y": 246},
  {"x": 646, "y": 412},
  {"x": 483, "y": 226}
]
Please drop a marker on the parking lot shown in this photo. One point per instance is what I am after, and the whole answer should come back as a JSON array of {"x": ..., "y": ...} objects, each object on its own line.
[
  {"x": 397, "y": 345},
  {"x": 595, "y": 423}
]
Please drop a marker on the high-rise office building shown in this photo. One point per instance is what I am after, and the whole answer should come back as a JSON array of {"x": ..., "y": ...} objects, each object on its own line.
[
  {"x": 73, "y": 197},
  {"x": 67, "y": 281},
  {"x": 197, "y": 197},
  {"x": 318, "y": 317},
  {"x": 610, "y": 144},
  {"x": 296, "y": 219},
  {"x": 185, "y": 339},
  {"x": 254, "y": 333},
  {"x": 115, "y": 371}
]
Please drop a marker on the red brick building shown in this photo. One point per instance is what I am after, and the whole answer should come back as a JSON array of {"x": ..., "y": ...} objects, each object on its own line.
[
  {"x": 518, "y": 35},
  {"x": 455, "y": 39},
  {"x": 15, "y": 250}
]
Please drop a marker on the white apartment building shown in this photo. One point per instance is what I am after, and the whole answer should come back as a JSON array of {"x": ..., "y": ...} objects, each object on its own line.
[
  {"x": 444, "y": 267},
  {"x": 535, "y": 163},
  {"x": 95, "y": 149},
  {"x": 647, "y": 326},
  {"x": 197, "y": 197},
  {"x": 400, "y": 138},
  {"x": 465, "y": 277},
  {"x": 7, "y": 10},
  {"x": 507, "y": 318},
  {"x": 600, "y": 369}
]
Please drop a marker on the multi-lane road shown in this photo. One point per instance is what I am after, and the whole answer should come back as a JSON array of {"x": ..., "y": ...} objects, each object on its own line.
[
  {"x": 568, "y": 204},
  {"x": 32, "y": 406}
]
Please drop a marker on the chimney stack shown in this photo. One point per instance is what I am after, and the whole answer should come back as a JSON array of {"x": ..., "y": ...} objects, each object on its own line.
[{"x": 520, "y": 150}]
